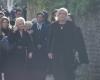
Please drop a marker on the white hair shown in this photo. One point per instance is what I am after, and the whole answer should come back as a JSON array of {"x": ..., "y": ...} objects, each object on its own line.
[
  {"x": 20, "y": 19},
  {"x": 59, "y": 10},
  {"x": 28, "y": 24},
  {"x": 63, "y": 9}
]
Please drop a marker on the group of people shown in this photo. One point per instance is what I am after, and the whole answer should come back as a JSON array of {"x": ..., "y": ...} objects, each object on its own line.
[
  {"x": 15, "y": 12},
  {"x": 33, "y": 49}
]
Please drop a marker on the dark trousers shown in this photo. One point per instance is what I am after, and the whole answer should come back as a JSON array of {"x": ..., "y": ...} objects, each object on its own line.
[
  {"x": 62, "y": 71},
  {"x": 17, "y": 65},
  {"x": 37, "y": 66}
]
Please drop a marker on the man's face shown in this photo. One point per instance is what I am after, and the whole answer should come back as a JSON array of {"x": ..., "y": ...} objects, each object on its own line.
[
  {"x": 62, "y": 16},
  {"x": 18, "y": 14},
  {"x": 40, "y": 18}
]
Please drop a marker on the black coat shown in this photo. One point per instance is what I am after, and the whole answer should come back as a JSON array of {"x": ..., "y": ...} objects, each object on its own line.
[
  {"x": 6, "y": 41},
  {"x": 40, "y": 38},
  {"x": 21, "y": 48},
  {"x": 24, "y": 41},
  {"x": 18, "y": 58},
  {"x": 9, "y": 34},
  {"x": 64, "y": 41},
  {"x": 22, "y": 45}
]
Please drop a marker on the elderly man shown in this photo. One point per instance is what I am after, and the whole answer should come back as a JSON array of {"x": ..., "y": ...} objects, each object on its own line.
[{"x": 64, "y": 40}]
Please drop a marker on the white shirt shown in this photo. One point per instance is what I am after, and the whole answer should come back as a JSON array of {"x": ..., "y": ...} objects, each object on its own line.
[{"x": 39, "y": 26}]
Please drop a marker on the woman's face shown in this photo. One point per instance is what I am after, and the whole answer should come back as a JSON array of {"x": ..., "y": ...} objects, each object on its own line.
[
  {"x": 5, "y": 24},
  {"x": 26, "y": 28},
  {"x": 20, "y": 24}
]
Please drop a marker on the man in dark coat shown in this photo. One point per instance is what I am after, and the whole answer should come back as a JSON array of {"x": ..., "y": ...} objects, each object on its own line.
[
  {"x": 64, "y": 40},
  {"x": 40, "y": 29}
]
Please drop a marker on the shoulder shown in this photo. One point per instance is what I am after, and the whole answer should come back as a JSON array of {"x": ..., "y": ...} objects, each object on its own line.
[
  {"x": 73, "y": 25},
  {"x": 53, "y": 25},
  {"x": 16, "y": 32},
  {"x": 34, "y": 25}
]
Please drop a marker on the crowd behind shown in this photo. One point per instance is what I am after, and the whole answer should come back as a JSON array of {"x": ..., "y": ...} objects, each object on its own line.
[{"x": 25, "y": 45}]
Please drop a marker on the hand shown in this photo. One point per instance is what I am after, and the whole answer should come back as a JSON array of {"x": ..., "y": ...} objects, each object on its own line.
[
  {"x": 30, "y": 55},
  {"x": 50, "y": 56}
]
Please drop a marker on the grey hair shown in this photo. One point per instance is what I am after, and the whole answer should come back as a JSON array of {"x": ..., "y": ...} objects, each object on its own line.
[{"x": 28, "y": 24}]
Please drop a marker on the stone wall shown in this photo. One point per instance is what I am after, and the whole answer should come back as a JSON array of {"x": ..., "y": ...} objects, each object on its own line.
[{"x": 90, "y": 26}]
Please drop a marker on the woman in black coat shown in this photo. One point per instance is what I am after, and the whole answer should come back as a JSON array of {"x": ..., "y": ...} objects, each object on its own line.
[
  {"x": 5, "y": 44},
  {"x": 21, "y": 51},
  {"x": 64, "y": 40}
]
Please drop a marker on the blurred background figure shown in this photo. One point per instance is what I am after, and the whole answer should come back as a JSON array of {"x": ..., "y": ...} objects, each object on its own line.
[
  {"x": 1, "y": 15},
  {"x": 53, "y": 16},
  {"x": 18, "y": 13},
  {"x": 28, "y": 27},
  {"x": 46, "y": 16}
]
